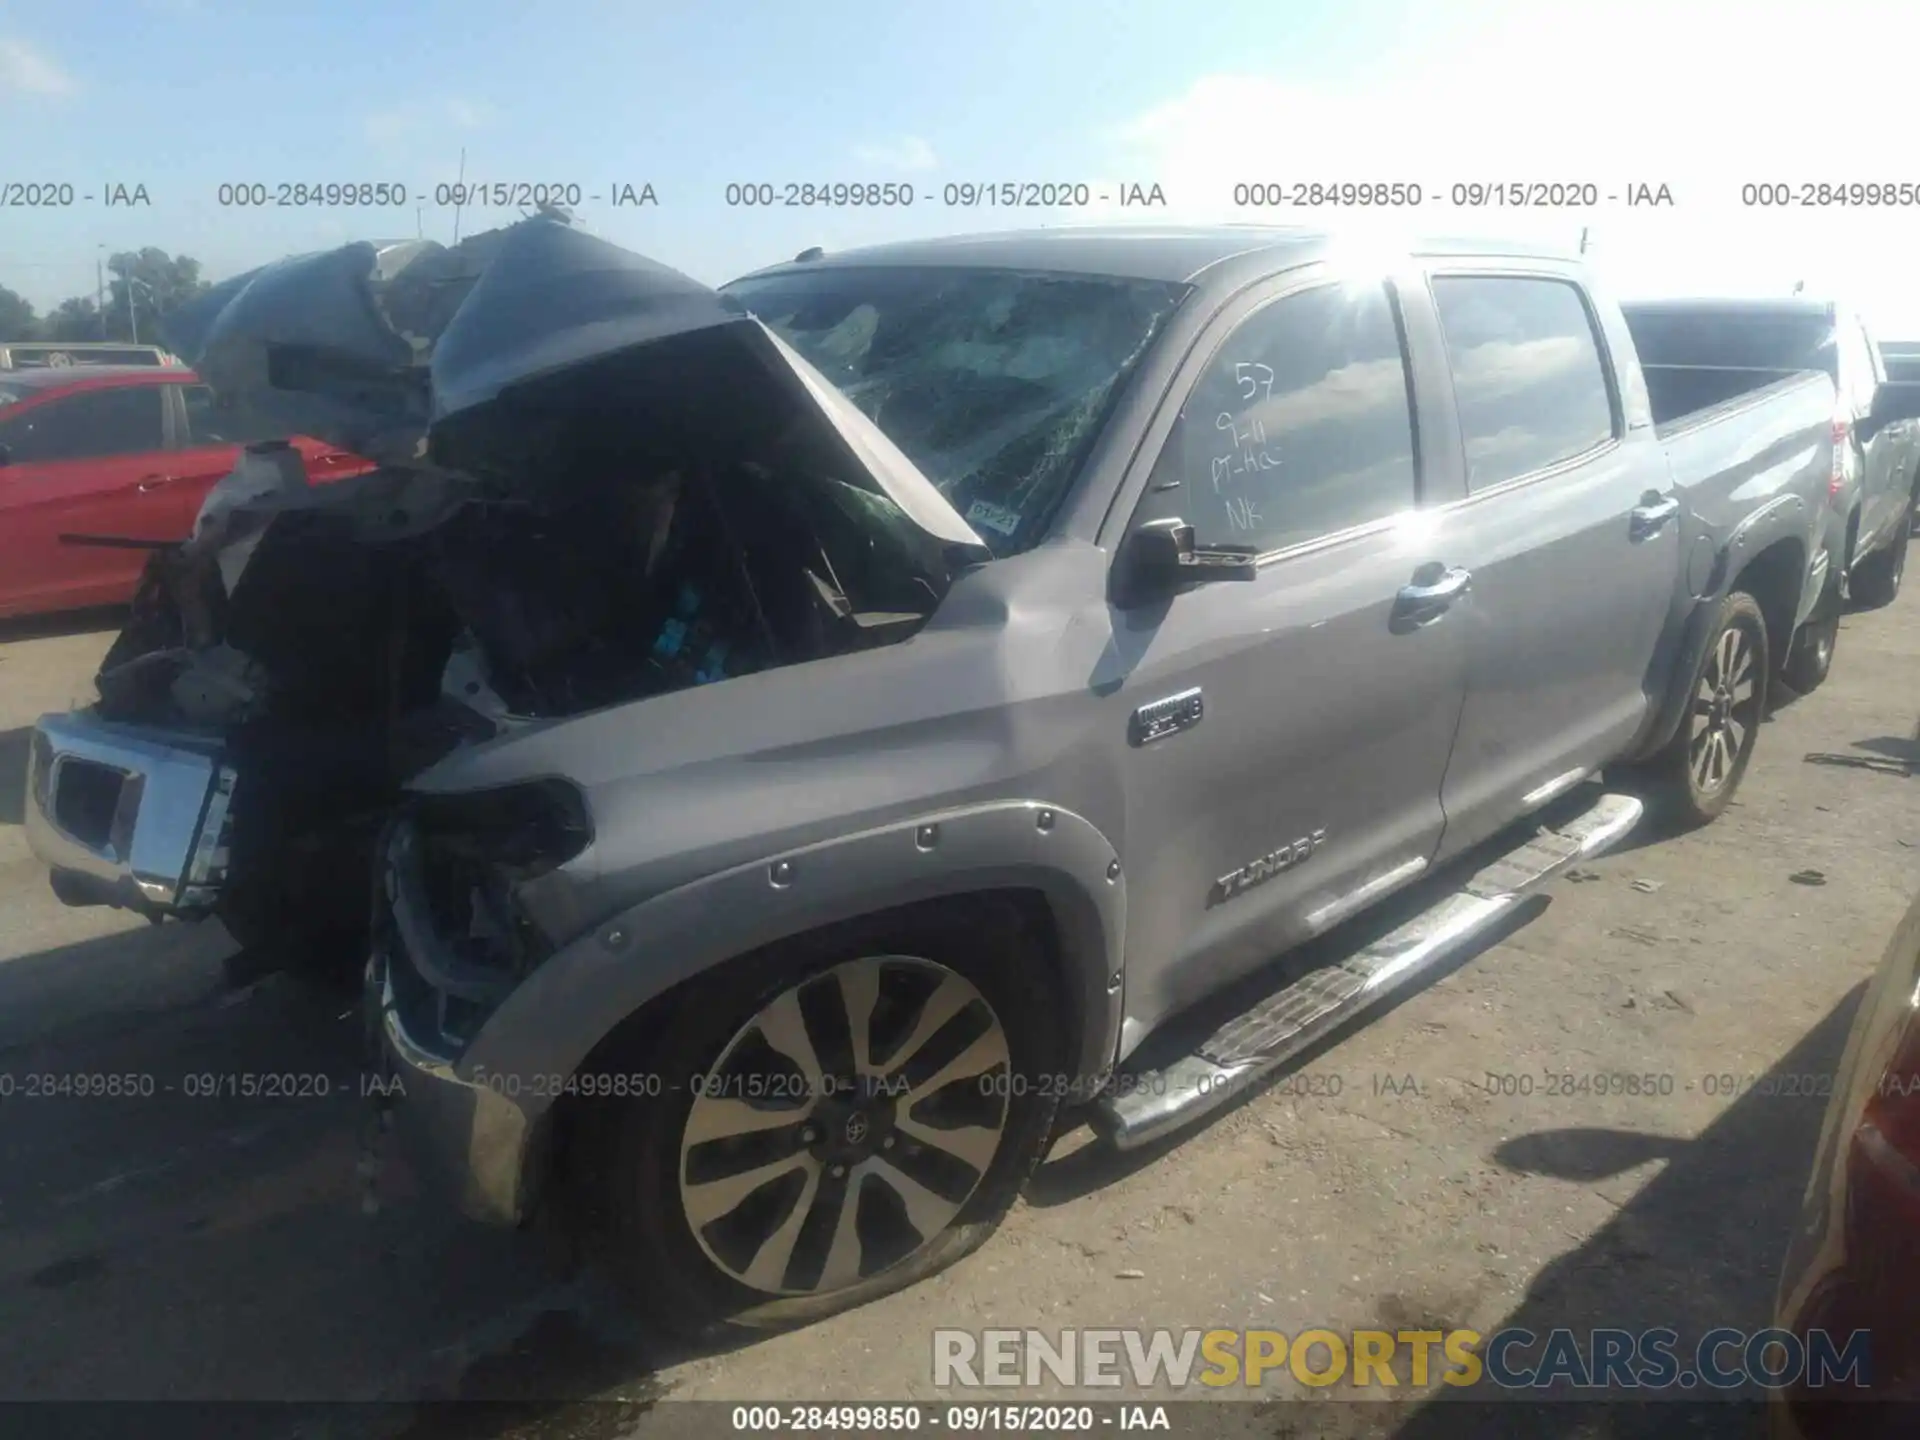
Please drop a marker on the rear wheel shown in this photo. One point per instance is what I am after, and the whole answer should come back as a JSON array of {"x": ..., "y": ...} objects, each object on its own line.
[
  {"x": 1701, "y": 767},
  {"x": 841, "y": 1117},
  {"x": 1876, "y": 578}
]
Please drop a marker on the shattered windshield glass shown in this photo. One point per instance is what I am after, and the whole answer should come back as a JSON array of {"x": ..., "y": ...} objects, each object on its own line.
[{"x": 993, "y": 382}]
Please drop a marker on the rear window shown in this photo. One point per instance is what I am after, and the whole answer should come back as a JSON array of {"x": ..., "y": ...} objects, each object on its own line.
[{"x": 1755, "y": 341}]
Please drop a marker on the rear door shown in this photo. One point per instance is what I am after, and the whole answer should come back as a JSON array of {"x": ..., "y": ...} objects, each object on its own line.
[
  {"x": 1571, "y": 526},
  {"x": 90, "y": 461},
  {"x": 1314, "y": 710}
]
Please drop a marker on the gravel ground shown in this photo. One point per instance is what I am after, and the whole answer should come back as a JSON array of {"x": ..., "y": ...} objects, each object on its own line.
[{"x": 220, "y": 1248}]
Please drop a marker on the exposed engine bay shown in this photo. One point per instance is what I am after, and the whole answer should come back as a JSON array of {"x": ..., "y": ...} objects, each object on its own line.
[{"x": 598, "y": 482}]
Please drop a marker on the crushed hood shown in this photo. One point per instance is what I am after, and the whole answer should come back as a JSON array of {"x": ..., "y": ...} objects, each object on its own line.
[{"x": 427, "y": 357}]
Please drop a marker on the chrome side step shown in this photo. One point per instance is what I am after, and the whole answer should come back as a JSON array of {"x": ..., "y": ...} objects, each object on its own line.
[{"x": 1147, "y": 1105}]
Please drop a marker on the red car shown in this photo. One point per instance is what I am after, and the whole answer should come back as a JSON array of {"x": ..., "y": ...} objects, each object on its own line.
[
  {"x": 1850, "y": 1288},
  {"x": 126, "y": 451}
]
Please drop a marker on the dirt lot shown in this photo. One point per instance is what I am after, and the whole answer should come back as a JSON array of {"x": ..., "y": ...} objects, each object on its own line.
[{"x": 221, "y": 1248}]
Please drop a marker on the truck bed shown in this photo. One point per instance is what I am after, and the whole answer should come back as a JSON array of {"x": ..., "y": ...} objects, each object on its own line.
[{"x": 1686, "y": 397}]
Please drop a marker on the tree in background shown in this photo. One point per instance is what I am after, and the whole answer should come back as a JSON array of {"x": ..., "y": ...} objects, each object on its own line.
[
  {"x": 72, "y": 320},
  {"x": 16, "y": 316},
  {"x": 159, "y": 284}
]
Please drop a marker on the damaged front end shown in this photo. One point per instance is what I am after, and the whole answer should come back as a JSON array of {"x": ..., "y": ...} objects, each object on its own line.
[{"x": 599, "y": 482}]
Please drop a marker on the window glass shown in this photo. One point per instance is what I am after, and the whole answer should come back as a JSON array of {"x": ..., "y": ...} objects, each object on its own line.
[
  {"x": 1299, "y": 427},
  {"x": 1527, "y": 374},
  {"x": 994, "y": 383},
  {"x": 209, "y": 422},
  {"x": 89, "y": 425}
]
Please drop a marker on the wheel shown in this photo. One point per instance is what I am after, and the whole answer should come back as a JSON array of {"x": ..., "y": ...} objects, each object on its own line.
[
  {"x": 1876, "y": 578},
  {"x": 1701, "y": 767},
  {"x": 1810, "y": 656},
  {"x": 840, "y": 1117}
]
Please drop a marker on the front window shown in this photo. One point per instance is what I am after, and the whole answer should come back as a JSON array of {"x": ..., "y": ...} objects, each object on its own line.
[{"x": 993, "y": 382}]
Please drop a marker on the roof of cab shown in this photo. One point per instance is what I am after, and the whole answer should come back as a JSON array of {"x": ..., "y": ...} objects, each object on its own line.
[{"x": 1176, "y": 254}]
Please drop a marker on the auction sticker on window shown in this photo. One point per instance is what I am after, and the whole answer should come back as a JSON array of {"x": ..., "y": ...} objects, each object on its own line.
[{"x": 994, "y": 517}]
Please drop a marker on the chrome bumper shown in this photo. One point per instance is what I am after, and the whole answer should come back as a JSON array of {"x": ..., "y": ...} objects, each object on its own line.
[{"x": 128, "y": 815}]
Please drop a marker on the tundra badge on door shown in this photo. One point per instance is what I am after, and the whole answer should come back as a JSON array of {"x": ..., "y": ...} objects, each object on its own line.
[
  {"x": 1274, "y": 862},
  {"x": 1160, "y": 718}
]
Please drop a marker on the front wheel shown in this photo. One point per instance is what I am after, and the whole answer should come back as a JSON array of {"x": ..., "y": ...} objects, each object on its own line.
[
  {"x": 1698, "y": 772},
  {"x": 845, "y": 1115}
]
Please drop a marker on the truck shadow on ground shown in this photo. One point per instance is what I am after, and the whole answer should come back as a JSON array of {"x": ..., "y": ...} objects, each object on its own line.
[
  {"x": 13, "y": 774},
  {"x": 182, "y": 1239},
  {"x": 1697, "y": 1247}
]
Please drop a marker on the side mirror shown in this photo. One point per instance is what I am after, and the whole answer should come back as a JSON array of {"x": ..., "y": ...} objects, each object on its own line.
[{"x": 1160, "y": 557}]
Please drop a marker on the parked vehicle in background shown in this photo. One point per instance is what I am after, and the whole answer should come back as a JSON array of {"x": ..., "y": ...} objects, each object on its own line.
[
  {"x": 56, "y": 354},
  {"x": 110, "y": 451},
  {"x": 1853, "y": 1264},
  {"x": 877, "y": 700},
  {"x": 1902, "y": 358},
  {"x": 1701, "y": 348},
  {"x": 1903, "y": 368}
]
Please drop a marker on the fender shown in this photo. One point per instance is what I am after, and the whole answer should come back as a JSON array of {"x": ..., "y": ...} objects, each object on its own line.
[
  {"x": 552, "y": 1022},
  {"x": 1783, "y": 517}
]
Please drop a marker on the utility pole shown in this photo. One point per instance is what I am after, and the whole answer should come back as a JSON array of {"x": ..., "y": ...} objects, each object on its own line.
[
  {"x": 1583, "y": 239},
  {"x": 459, "y": 194},
  {"x": 133, "y": 321},
  {"x": 100, "y": 291}
]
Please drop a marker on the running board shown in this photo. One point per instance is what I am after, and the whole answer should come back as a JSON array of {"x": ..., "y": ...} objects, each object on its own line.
[{"x": 1146, "y": 1105}]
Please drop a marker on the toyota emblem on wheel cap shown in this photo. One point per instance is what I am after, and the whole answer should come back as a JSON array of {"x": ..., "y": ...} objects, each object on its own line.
[{"x": 856, "y": 1129}]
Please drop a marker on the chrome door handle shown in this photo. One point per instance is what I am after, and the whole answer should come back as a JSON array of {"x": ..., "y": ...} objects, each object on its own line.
[
  {"x": 1649, "y": 518},
  {"x": 1421, "y": 603}
]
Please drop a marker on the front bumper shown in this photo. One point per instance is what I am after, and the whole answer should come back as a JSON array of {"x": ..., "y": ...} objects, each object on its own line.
[
  {"x": 127, "y": 815},
  {"x": 462, "y": 1126}
]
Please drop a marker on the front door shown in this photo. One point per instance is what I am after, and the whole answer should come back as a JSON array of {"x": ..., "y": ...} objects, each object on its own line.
[
  {"x": 1573, "y": 535},
  {"x": 1306, "y": 714},
  {"x": 90, "y": 462}
]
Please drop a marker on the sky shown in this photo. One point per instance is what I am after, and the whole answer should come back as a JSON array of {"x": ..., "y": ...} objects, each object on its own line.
[{"x": 1702, "y": 97}]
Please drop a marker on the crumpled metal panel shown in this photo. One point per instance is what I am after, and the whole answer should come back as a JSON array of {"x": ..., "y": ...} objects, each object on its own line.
[{"x": 376, "y": 347}]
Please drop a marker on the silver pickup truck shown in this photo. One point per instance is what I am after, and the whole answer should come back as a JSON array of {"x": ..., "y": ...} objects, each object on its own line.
[{"x": 780, "y": 747}]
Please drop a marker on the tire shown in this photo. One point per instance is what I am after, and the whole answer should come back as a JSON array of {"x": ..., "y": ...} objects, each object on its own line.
[
  {"x": 785, "y": 1252},
  {"x": 1810, "y": 656},
  {"x": 1695, "y": 775},
  {"x": 1876, "y": 578},
  {"x": 322, "y": 949}
]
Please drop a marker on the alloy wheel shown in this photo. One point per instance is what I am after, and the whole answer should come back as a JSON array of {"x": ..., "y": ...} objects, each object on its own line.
[
  {"x": 1726, "y": 708},
  {"x": 845, "y": 1125}
]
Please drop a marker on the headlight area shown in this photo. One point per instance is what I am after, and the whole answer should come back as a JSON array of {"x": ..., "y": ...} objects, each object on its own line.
[{"x": 464, "y": 880}]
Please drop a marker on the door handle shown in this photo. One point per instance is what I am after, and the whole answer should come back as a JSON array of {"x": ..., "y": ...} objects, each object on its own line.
[
  {"x": 1420, "y": 603},
  {"x": 1651, "y": 515},
  {"x": 149, "y": 483}
]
